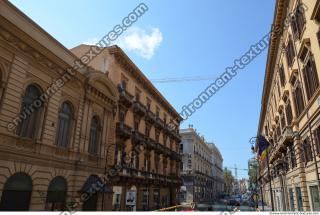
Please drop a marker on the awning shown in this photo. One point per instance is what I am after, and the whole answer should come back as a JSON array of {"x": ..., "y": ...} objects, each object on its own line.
[{"x": 94, "y": 184}]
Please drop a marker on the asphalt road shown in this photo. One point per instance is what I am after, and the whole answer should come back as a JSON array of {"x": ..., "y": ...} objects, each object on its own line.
[{"x": 222, "y": 207}]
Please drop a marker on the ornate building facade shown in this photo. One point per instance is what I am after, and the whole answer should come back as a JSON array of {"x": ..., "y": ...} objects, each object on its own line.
[
  {"x": 201, "y": 184},
  {"x": 56, "y": 125},
  {"x": 290, "y": 110},
  {"x": 150, "y": 178},
  {"x": 217, "y": 170}
]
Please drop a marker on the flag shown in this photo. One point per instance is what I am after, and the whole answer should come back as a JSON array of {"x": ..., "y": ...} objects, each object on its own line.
[{"x": 263, "y": 147}]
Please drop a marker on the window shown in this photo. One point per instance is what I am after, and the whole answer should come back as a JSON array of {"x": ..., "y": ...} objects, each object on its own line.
[
  {"x": 16, "y": 194},
  {"x": 316, "y": 135},
  {"x": 31, "y": 109},
  {"x": 283, "y": 121},
  {"x": 316, "y": 13},
  {"x": 148, "y": 104},
  {"x": 282, "y": 76},
  {"x": 266, "y": 130},
  {"x": 299, "y": 199},
  {"x": 290, "y": 53},
  {"x": 310, "y": 77},
  {"x": 94, "y": 138},
  {"x": 124, "y": 82},
  {"x": 165, "y": 118},
  {"x": 318, "y": 36},
  {"x": 298, "y": 22},
  {"x": 157, "y": 134},
  {"x": 289, "y": 112},
  {"x": 147, "y": 130},
  {"x": 64, "y": 125},
  {"x": 298, "y": 98},
  {"x": 57, "y": 194},
  {"x": 291, "y": 199},
  {"x": 136, "y": 122},
  {"x": 307, "y": 150},
  {"x": 293, "y": 160},
  {"x": 157, "y": 111},
  {"x": 137, "y": 94}
]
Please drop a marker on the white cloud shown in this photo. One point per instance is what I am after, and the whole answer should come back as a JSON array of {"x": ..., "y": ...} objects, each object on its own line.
[
  {"x": 91, "y": 41},
  {"x": 141, "y": 42}
]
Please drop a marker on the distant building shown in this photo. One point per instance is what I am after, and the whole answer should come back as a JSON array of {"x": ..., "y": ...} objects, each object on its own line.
[
  {"x": 217, "y": 171},
  {"x": 202, "y": 182},
  {"x": 243, "y": 185}
]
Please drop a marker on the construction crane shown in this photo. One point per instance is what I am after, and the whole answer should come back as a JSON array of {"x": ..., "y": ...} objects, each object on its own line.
[
  {"x": 183, "y": 79},
  {"x": 236, "y": 170}
]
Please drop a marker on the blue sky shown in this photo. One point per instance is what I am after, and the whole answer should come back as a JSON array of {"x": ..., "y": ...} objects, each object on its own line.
[{"x": 183, "y": 38}]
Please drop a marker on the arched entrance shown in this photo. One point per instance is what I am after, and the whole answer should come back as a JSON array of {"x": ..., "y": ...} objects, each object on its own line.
[
  {"x": 16, "y": 194},
  {"x": 57, "y": 194}
]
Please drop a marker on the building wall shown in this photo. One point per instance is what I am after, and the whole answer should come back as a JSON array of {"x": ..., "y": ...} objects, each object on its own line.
[
  {"x": 36, "y": 58},
  {"x": 202, "y": 183},
  {"x": 159, "y": 160},
  {"x": 287, "y": 135}
]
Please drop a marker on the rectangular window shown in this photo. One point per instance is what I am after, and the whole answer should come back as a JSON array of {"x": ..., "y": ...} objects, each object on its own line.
[
  {"x": 283, "y": 121},
  {"x": 291, "y": 199},
  {"x": 316, "y": 135},
  {"x": 307, "y": 150},
  {"x": 290, "y": 53},
  {"x": 289, "y": 112},
  {"x": 148, "y": 104},
  {"x": 298, "y": 22},
  {"x": 318, "y": 36},
  {"x": 137, "y": 94},
  {"x": 315, "y": 198},
  {"x": 293, "y": 160},
  {"x": 299, "y": 199},
  {"x": 282, "y": 76},
  {"x": 298, "y": 98},
  {"x": 310, "y": 77}
]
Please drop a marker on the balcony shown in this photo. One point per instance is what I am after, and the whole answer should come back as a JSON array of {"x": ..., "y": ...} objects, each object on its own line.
[
  {"x": 123, "y": 131},
  {"x": 150, "y": 117},
  {"x": 151, "y": 144},
  {"x": 125, "y": 98},
  {"x": 139, "y": 108},
  {"x": 159, "y": 123},
  {"x": 281, "y": 144},
  {"x": 137, "y": 137},
  {"x": 175, "y": 156}
]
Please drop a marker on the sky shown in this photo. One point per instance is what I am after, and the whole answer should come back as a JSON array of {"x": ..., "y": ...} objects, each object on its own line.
[{"x": 181, "y": 38}]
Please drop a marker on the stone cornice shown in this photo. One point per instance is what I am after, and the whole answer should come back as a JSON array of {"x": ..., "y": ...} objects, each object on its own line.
[{"x": 278, "y": 23}]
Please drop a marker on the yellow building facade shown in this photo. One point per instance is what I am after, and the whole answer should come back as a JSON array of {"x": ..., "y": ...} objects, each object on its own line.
[
  {"x": 289, "y": 116},
  {"x": 147, "y": 136},
  {"x": 56, "y": 125}
]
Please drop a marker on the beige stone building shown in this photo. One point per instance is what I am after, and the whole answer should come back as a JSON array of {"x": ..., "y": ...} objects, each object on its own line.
[
  {"x": 151, "y": 177},
  {"x": 199, "y": 180},
  {"x": 290, "y": 107},
  {"x": 56, "y": 127}
]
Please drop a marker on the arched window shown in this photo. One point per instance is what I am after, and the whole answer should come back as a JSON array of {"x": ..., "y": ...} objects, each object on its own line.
[
  {"x": 64, "y": 125},
  {"x": 57, "y": 194},
  {"x": 16, "y": 194},
  {"x": 94, "y": 135},
  {"x": 30, "y": 112}
]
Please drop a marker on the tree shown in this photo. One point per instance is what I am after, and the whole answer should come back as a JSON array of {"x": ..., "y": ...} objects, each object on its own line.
[{"x": 228, "y": 181}]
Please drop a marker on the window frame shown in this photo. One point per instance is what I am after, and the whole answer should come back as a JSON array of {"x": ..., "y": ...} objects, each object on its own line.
[
  {"x": 94, "y": 141},
  {"x": 68, "y": 132}
]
